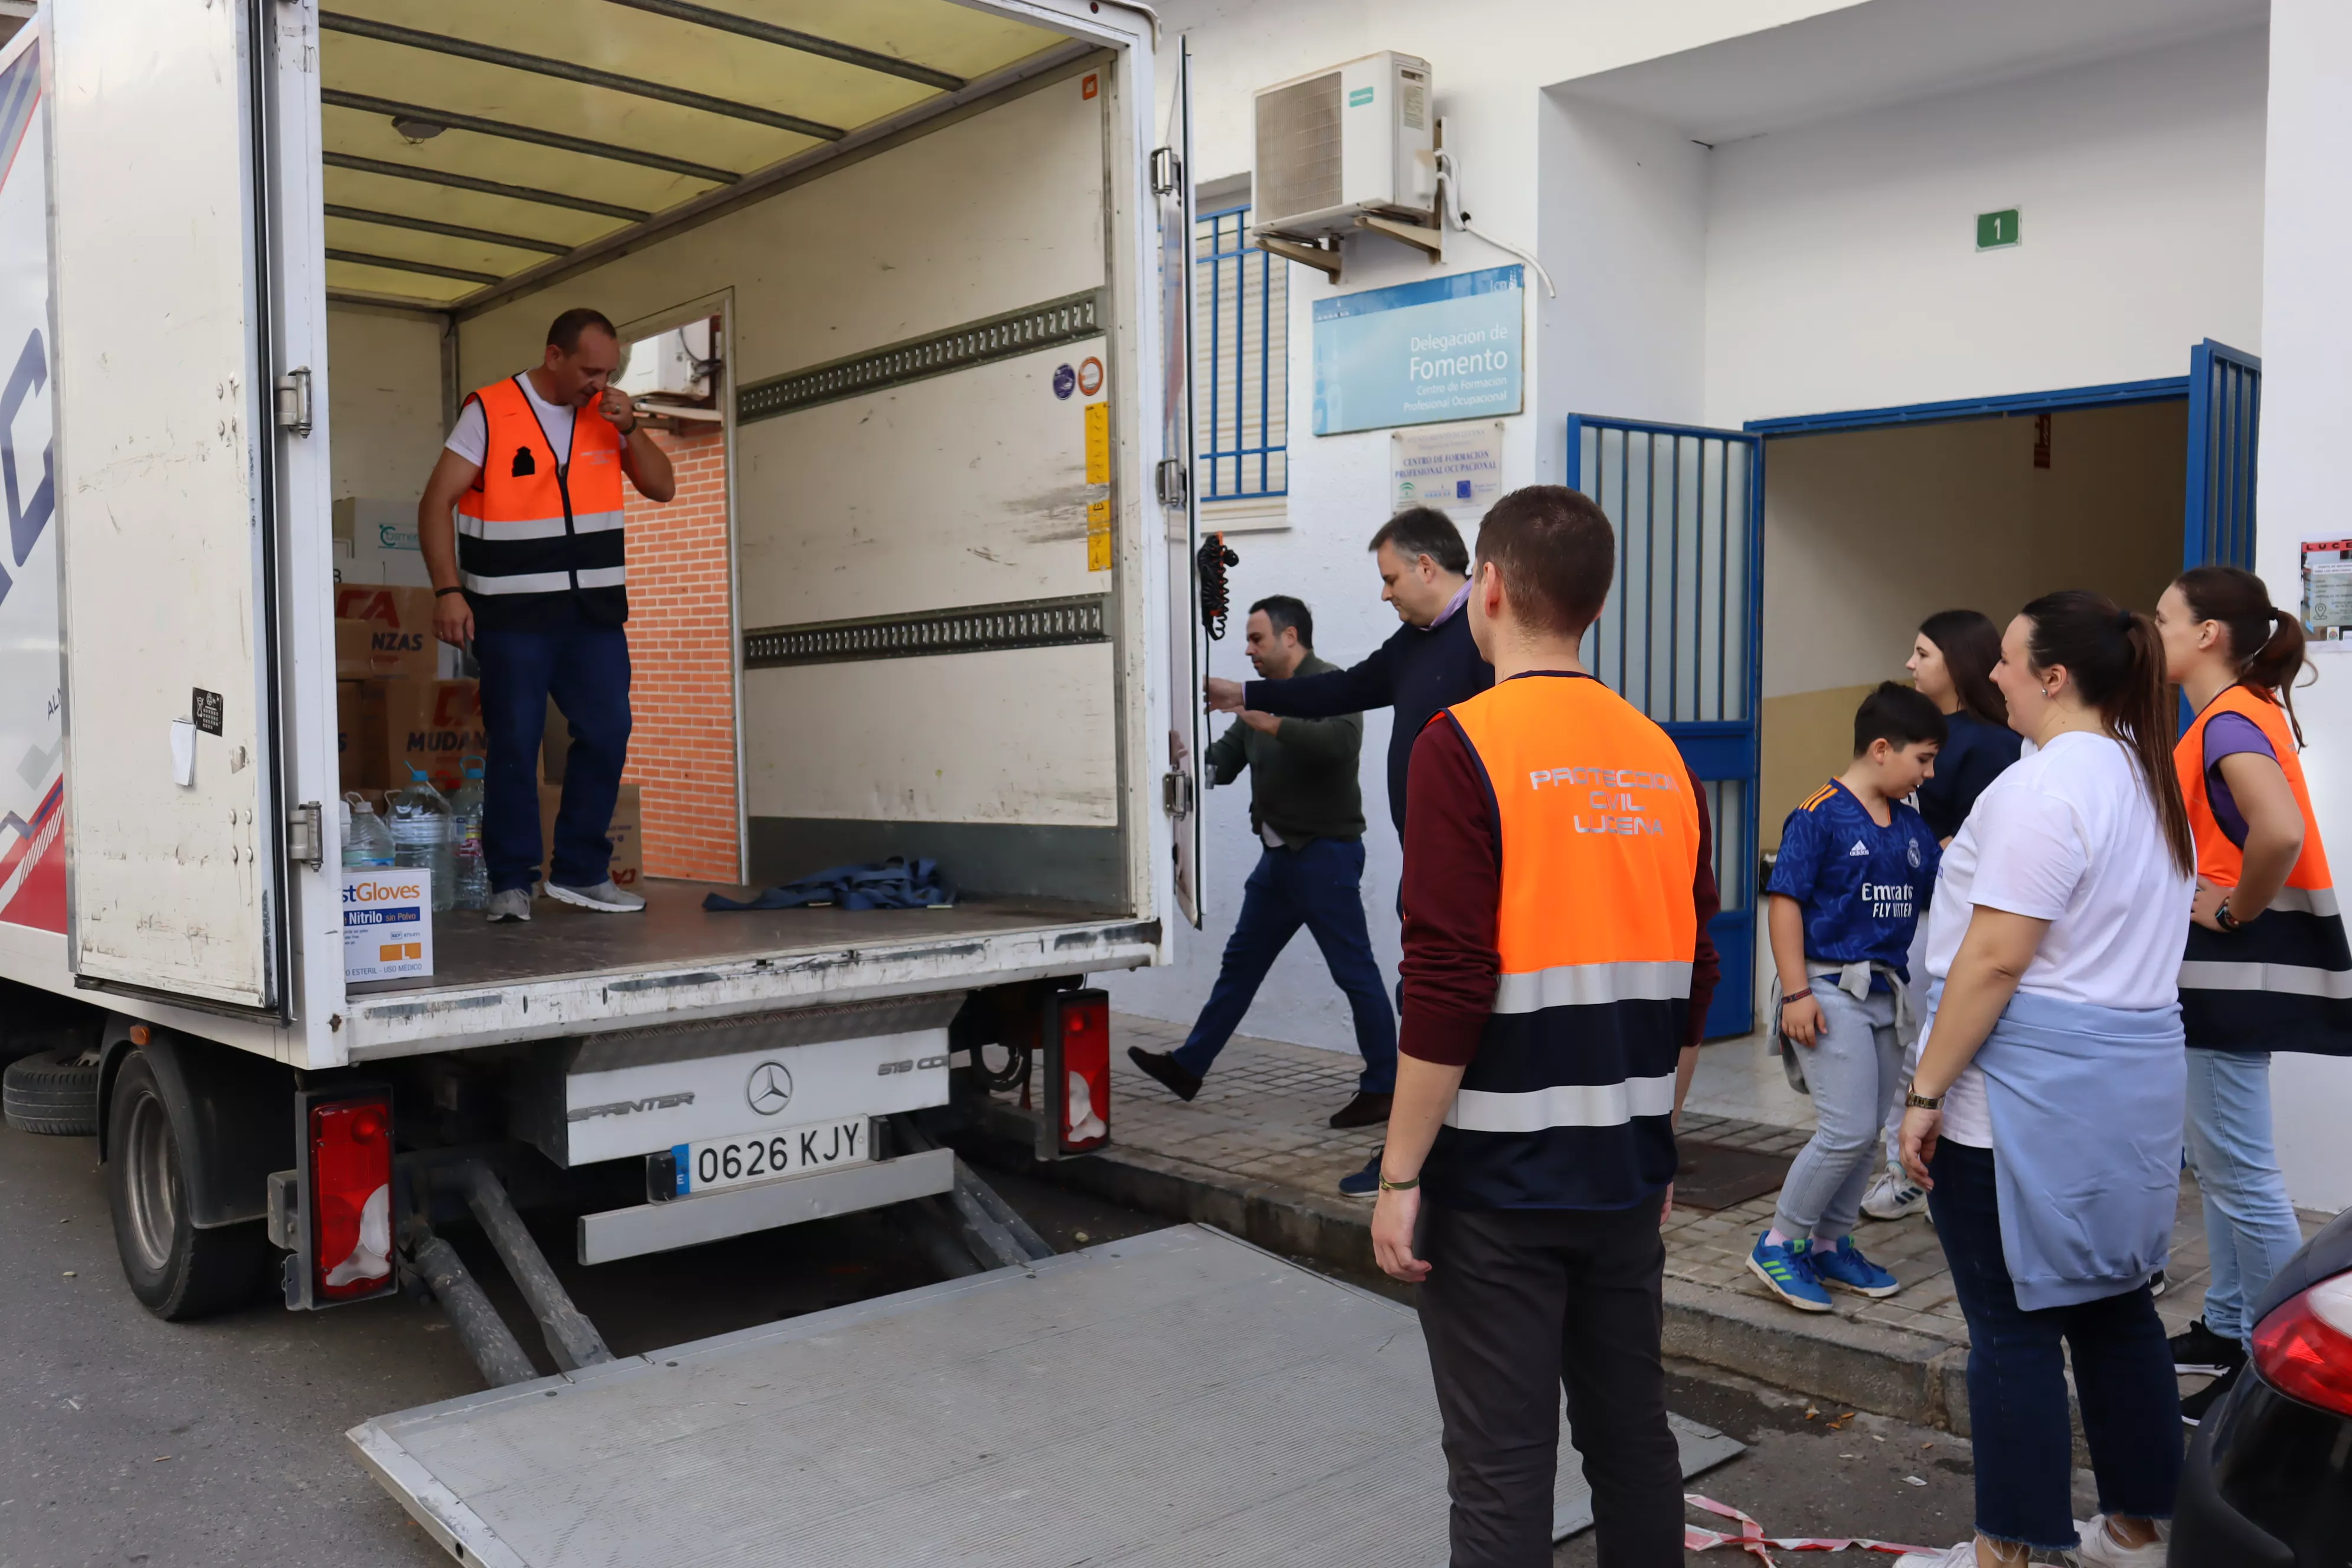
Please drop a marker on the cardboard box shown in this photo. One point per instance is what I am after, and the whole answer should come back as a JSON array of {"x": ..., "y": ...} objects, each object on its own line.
[
  {"x": 363, "y": 763},
  {"x": 628, "y": 832},
  {"x": 387, "y": 922},
  {"x": 376, "y": 543},
  {"x": 385, "y": 632},
  {"x": 432, "y": 725}
]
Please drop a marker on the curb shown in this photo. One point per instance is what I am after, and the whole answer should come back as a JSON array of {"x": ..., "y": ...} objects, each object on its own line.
[{"x": 1916, "y": 1378}]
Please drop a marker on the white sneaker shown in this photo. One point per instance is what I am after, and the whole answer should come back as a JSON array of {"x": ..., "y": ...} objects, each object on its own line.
[
  {"x": 1964, "y": 1556},
  {"x": 605, "y": 897},
  {"x": 514, "y": 904},
  {"x": 2101, "y": 1550},
  {"x": 1894, "y": 1195}
]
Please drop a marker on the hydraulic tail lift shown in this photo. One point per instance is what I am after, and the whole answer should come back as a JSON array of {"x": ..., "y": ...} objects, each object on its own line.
[{"x": 1170, "y": 1399}]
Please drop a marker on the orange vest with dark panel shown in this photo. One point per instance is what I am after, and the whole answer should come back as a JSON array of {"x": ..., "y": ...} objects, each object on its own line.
[
  {"x": 532, "y": 533},
  {"x": 1568, "y": 1102},
  {"x": 2283, "y": 982}
]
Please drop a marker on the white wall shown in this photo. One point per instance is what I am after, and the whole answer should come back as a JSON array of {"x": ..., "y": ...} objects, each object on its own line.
[
  {"x": 2307, "y": 408},
  {"x": 383, "y": 370},
  {"x": 1841, "y": 262}
]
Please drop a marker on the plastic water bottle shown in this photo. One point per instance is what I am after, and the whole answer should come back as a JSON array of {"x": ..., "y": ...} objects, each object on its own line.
[
  {"x": 466, "y": 839},
  {"x": 367, "y": 842},
  {"x": 420, "y": 836}
]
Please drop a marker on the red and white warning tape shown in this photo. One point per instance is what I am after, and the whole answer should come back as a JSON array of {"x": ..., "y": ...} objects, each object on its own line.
[{"x": 1751, "y": 1536}]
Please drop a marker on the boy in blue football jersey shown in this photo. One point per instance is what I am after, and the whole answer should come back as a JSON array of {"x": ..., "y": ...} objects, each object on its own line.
[{"x": 1852, "y": 878}]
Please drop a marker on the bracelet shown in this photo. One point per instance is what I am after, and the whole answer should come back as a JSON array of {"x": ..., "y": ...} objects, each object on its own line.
[
  {"x": 1393, "y": 1187},
  {"x": 1797, "y": 996},
  {"x": 445, "y": 592},
  {"x": 2224, "y": 919},
  {"x": 1912, "y": 1100}
]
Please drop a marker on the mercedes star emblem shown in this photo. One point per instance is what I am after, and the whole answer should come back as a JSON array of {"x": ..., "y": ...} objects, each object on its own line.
[{"x": 770, "y": 1088}]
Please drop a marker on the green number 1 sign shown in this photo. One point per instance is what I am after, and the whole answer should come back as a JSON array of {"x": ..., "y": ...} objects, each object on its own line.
[{"x": 1996, "y": 230}]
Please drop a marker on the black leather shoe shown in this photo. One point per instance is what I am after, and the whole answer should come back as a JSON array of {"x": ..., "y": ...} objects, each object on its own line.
[
  {"x": 1166, "y": 1069},
  {"x": 1364, "y": 1111}
]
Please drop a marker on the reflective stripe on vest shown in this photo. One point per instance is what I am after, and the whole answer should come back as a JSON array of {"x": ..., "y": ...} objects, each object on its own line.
[
  {"x": 2284, "y": 981},
  {"x": 531, "y": 525},
  {"x": 1567, "y": 1103}
]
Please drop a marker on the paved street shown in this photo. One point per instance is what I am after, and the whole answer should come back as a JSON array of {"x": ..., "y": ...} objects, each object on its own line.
[{"x": 127, "y": 1440}]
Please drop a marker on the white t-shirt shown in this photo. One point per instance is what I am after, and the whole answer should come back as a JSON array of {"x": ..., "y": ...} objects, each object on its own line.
[
  {"x": 2068, "y": 835},
  {"x": 471, "y": 438}
]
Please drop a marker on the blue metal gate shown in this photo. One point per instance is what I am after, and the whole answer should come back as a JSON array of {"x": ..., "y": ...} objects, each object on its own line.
[
  {"x": 1681, "y": 636},
  {"x": 2225, "y": 411}
]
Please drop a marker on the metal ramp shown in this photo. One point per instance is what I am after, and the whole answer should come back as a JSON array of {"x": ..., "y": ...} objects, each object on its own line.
[{"x": 1179, "y": 1398}]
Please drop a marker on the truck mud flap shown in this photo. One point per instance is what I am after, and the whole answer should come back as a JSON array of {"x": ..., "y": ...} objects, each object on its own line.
[{"x": 1170, "y": 1399}]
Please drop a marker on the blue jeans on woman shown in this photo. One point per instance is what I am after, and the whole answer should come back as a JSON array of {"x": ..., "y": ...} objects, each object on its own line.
[
  {"x": 1318, "y": 885},
  {"x": 2250, "y": 1226},
  {"x": 2017, "y": 1379}
]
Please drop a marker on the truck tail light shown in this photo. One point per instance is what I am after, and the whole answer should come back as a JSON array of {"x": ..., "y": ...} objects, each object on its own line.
[
  {"x": 2304, "y": 1348},
  {"x": 1077, "y": 1071},
  {"x": 348, "y": 1144}
]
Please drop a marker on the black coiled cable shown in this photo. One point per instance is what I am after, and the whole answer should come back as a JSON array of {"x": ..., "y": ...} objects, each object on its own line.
[{"x": 1216, "y": 598}]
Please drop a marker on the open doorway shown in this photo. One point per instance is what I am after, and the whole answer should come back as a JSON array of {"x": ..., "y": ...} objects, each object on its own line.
[{"x": 1868, "y": 531}]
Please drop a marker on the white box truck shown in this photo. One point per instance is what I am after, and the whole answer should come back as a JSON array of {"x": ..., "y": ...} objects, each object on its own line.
[{"x": 943, "y": 247}]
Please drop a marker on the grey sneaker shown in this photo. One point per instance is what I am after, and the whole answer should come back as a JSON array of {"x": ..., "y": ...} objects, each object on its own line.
[
  {"x": 605, "y": 897},
  {"x": 1894, "y": 1195},
  {"x": 514, "y": 904}
]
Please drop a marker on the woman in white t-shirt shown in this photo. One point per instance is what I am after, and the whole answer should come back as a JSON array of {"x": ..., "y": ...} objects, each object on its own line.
[{"x": 2045, "y": 1114}]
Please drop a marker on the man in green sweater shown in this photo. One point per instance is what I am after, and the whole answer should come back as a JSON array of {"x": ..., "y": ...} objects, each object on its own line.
[{"x": 1307, "y": 809}]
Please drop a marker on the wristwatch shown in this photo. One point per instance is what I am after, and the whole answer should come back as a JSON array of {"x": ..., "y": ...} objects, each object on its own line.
[
  {"x": 2224, "y": 919},
  {"x": 1912, "y": 1100}
]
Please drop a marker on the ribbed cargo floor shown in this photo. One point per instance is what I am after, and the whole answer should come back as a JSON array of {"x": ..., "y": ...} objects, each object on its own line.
[{"x": 1174, "y": 1399}]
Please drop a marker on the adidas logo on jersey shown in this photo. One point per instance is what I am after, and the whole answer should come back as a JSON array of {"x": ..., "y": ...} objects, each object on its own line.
[{"x": 1857, "y": 849}]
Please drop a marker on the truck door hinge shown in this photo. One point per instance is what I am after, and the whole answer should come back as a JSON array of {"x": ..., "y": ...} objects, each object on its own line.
[
  {"x": 294, "y": 401},
  {"x": 1170, "y": 481},
  {"x": 1176, "y": 793},
  {"x": 306, "y": 835},
  {"x": 1167, "y": 171}
]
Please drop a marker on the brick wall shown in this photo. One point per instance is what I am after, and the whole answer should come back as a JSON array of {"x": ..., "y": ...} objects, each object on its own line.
[{"x": 682, "y": 751}]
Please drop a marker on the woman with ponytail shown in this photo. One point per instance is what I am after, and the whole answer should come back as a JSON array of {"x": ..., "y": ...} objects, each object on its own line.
[
  {"x": 2267, "y": 967},
  {"x": 2044, "y": 1116}
]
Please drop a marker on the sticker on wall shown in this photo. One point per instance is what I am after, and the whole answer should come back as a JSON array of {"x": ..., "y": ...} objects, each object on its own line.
[
  {"x": 1065, "y": 381},
  {"x": 2328, "y": 594},
  {"x": 1099, "y": 535},
  {"x": 1454, "y": 467},
  {"x": 1089, "y": 85},
  {"x": 1089, "y": 376},
  {"x": 1097, "y": 443}
]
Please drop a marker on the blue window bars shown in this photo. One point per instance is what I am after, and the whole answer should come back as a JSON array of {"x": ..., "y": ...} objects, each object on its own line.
[{"x": 1241, "y": 363}]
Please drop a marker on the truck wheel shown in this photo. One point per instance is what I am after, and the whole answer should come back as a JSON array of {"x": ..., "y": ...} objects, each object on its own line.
[
  {"x": 176, "y": 1270},
  {"x": 55, "y": 1092}
]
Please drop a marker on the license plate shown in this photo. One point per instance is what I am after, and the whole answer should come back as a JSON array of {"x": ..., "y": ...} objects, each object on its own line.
[{"x": 764, "y": 1156}]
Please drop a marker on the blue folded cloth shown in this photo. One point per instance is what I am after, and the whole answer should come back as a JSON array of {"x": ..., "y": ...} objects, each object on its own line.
[{"x": 897, "y": 883}]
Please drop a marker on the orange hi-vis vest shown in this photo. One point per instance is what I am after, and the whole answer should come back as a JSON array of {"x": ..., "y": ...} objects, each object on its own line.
[
  {"x": 1570, "y": 1100},
  {"x": 2282, "y": 981},
  {"x": 531, "y": 530}
]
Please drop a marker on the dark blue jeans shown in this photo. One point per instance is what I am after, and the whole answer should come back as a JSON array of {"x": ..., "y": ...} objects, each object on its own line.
[
  {"x": 1319, "y": 887},
  {"x": 585, "y": 667},
  {"x": 2017, "y": 1379}
]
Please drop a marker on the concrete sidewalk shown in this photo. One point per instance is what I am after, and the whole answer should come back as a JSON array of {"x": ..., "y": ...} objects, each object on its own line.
[{"x": 1253, "y": 1154}]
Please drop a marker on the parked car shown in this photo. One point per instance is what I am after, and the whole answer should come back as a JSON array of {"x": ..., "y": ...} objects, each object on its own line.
[{"x": 2269, "y": 1479}]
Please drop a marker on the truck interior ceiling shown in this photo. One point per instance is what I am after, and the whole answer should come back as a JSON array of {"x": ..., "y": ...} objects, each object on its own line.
[
  {"x": 848, "y": 244},
  {"x": 1897, "y": 521}
]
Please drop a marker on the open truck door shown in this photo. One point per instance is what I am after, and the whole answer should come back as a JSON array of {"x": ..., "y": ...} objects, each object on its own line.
[
  {"x": 1186, "y": 781},
  {"x": 166, "y": 473}
]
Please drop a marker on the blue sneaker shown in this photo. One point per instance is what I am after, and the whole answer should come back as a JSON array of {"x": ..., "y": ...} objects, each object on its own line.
[
  {"x": 1365, "y": 1182},
  {"x": 1787, "y": 1271},
  {"x": 1848, "y": 1269}
]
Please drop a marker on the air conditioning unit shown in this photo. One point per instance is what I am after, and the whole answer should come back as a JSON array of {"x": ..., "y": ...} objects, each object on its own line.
[{"x": 1343, "y": 144}]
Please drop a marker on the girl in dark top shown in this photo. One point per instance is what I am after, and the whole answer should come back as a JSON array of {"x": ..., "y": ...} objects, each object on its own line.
[{"x": 1951, "y": 666}]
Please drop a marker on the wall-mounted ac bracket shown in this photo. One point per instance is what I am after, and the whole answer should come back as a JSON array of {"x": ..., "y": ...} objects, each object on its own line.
[{"x": 1323, "y": 255}]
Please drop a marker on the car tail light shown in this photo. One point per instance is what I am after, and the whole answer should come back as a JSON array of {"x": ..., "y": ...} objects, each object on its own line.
[
  {"x": 1077, "y": 1072},
  {"x": 349, "y": 1145},
  {"x": 2303, "y": 1349}
]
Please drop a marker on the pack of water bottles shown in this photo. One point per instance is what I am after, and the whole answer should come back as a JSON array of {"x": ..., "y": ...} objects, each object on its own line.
[{"x": 387, "y": 906}]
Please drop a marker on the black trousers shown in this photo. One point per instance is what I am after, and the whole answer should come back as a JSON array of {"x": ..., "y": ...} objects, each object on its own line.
[{"x": 1519, "y": 1304}]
